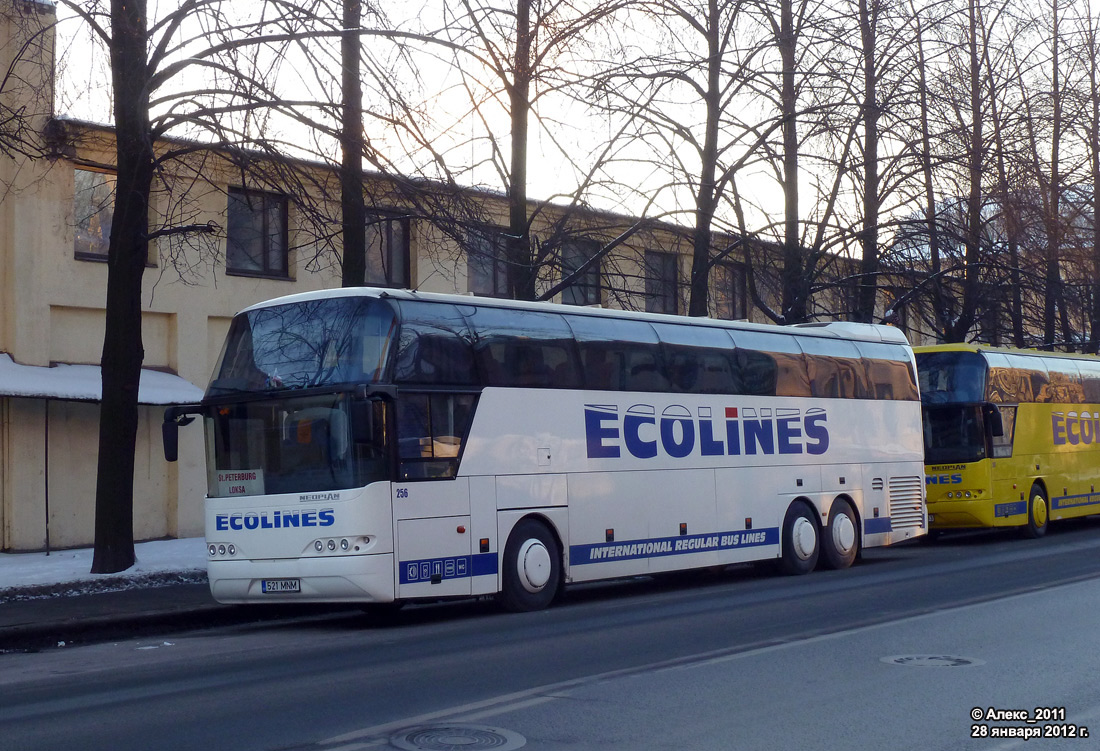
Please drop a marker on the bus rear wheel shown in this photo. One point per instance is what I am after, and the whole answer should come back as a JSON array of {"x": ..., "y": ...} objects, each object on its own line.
[
  {"x": 800, "y": 540},
  {"x": 841, "y": 539},
  {"x": 532, "y": 568},
  {"x": 1038, "y": 513}
]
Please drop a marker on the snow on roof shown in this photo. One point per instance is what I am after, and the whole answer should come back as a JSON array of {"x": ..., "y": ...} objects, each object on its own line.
[{"x": 83, "y": 383}]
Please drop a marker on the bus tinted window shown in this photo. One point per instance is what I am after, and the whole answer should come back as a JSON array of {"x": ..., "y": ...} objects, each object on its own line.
[
  {"x": 524, "y": 349},
  {"x": 1064, "y": 381},
  {"x": 433, "y": 346},
  {"x": 319, "y": 342},
  {"x": 834, "y": 368},
  {"x": 1035, "y": 372},
  {"x": 889, "y": 371},
  {"x": 699, "y": 359},
  {"x": 619, "y": 355},
  {"x": 1007, "y": 384},
  {"x": 1090, "y": 380},
  {"x": 951, "y": 377},
  {"x": 770, "y": 364},
  {"x": 430, "y": 430}
]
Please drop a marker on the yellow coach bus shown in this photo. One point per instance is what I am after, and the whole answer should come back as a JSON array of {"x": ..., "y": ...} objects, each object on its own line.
[{"x": 1011, "y": 437}]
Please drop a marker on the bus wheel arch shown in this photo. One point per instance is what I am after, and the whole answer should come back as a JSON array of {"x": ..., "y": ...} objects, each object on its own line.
[
  {"x": 800, "y": 545},
  {"x": 1038, "y": 511},
  {"x": 840, "y": 539},
  {"x": 531, "y": 574}
]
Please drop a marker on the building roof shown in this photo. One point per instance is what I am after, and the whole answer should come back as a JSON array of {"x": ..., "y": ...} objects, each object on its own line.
[{"x": 83, "y": 383}]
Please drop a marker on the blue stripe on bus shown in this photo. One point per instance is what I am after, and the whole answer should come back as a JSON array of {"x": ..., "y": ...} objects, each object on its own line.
[
  {"x": 658, "y": 547},
  {"x": 877, "y": 526},
  {"x": 455, "y": 567},
  {"x": 1075, "y": 501},
  {"x": 1009, "y": 509}
]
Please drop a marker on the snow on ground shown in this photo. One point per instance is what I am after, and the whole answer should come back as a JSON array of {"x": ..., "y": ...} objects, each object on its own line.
[{"x": 68, "y": 571}]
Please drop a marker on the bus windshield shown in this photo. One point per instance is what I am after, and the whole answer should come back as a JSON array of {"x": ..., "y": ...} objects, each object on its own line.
[
  {"x": 296, "y": 444},
  {"x": 323, "y": 342},
  {"x": 951, "y": 377},
  {"x": 953, "y": 434}
]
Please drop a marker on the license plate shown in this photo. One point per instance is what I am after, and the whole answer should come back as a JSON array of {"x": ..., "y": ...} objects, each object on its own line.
[{"x": 273, "y": 586}]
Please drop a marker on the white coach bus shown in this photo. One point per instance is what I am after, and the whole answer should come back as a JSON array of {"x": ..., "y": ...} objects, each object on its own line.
[{"x": 380, "y": 446}]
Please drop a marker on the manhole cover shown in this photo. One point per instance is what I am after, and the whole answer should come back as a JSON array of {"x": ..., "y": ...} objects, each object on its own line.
[
  {"x": 456, "y": 737},
  {"x": 933, "y": 661}
]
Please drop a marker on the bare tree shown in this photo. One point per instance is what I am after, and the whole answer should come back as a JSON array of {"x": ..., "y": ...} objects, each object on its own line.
[{"x": 169, "y": 74}]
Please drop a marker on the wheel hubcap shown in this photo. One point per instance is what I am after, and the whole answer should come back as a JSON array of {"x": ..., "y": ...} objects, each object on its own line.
[
  {"x": 844, "y": 533},
  {"x": 534, "y": 565},
  {"x": 804, "y": 538},
  {"x": 1039, "y": 510}
]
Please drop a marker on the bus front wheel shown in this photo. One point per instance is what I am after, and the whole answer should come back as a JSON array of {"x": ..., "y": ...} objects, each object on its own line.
[
  {"x": 800, "y": 540},
  {"x": 841, "y": 538},
  {"x": 1038, "y": 513},
  {"x": 532, "y": 568}
]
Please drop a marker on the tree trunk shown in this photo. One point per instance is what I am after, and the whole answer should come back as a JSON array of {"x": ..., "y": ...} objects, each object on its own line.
[
  {"x": 521, "y": 272},
  {"x": 1093, "y": 50},
  {"x": 129, "y": 248},
  {"x": 1052, "y": 292},
  {"x": 699, "y": 298},
  {"x": 352, "y": 210},
  {"x": 792, "y": 276},
  {"x": 868, "y": 269},
  {"x": 960, "y": 327}
]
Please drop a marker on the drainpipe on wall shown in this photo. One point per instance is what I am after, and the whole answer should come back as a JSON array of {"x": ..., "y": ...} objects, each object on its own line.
[{"x": 46, "y": 461}]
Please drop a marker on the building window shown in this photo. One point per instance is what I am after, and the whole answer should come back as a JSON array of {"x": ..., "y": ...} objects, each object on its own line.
[
  {"x": 93, "y": 211},
  {"x": 729, "y": 291},
  {"x": 660, "y": 282},
  {"x": 388, "y": 251},
  {"x": 486, "y": 262},
  {"x": 256, "y": 242},
  {"x": 585, "y": 289}
]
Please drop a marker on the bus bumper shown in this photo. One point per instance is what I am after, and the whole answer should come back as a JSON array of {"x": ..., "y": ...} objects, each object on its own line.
[
  {"x": 968, "y": 514},
  {"x": 358, "y": 578}
]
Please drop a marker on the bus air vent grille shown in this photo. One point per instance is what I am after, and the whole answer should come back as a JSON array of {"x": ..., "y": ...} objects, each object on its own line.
[{"x": 906, "y": 502}]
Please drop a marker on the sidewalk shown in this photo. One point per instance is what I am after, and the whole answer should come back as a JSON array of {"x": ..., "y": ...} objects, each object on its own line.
[{"x": 51, "y": 600}]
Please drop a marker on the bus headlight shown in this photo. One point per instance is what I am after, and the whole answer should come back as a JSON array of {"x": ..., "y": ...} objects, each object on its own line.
[
  {"x": 344, "y": 544},
  {"x": 212, "y": 550},
  {"x": 319, "y": 546}
]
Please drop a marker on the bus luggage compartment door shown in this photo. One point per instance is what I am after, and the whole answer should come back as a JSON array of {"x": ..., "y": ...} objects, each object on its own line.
[{"x": 434, "y": 557}]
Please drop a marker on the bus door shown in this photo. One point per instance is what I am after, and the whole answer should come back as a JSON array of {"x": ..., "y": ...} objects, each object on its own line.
[
  {"x": 431, "y": 506},
  {"x": 434, "y": 540}
]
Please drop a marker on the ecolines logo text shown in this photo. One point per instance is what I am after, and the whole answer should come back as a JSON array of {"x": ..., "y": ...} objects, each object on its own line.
[
  {"x": 1075, "y": 429},
  {"x": 326, "y": 517},
  {"x": 676, "y": 432}
]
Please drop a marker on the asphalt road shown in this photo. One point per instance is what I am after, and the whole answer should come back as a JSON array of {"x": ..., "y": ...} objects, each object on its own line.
[{"x": 895, "y": 652}]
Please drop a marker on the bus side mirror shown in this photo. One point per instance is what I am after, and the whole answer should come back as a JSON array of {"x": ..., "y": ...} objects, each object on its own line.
[
  {"x": 993, "y": 419},
  {"x": 169, "y": 429},
  {"x": 362, "y": 419}
]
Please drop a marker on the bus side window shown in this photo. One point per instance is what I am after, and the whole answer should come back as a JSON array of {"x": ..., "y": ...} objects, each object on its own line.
[
  {"x": 759, "y": 372},
  {"x": 889, "y": 371},
  {"x": 1002, "y": 444},
  {"x": 771, "y": 364},
  {"x": 618, "y": 355},
  {"x": 433, "y": 346},
  {"x": 646, "y": 372},
  {"x": 430, "y": 431}
]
